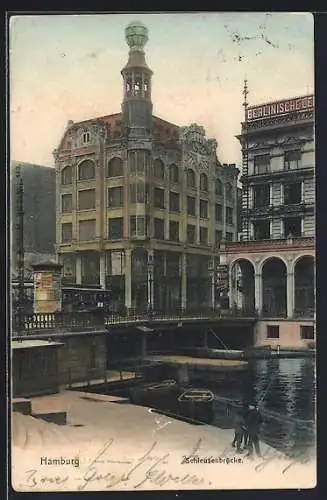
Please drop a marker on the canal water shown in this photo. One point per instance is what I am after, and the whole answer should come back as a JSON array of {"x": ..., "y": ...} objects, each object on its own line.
[{"x": 284, "y": 390}]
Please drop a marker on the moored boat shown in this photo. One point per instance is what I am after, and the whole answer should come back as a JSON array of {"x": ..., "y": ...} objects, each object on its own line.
[
  {"x": 197, "y": 404},
  {"x": 161, "y": 394}
]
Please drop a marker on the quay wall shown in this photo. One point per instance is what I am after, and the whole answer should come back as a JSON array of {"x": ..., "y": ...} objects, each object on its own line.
[{"x": 79, "y": 357}]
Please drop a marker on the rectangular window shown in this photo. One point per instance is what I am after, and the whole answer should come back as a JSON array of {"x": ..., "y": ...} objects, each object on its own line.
[
  {"x": 159, "y": 198},
  {"x": 138, "y": 161},
  {"x": 292, "y": 227},
  {"x": 173, "y": 230},
  {"x": 261, "y": 164},
  {"x": 191, "y": 233},
  {"x": 203, "y": 209},
  {"x": 87, "y": 230},
  {"x": 292, "y": 193},
  {"x": 219, "y": 213},
  {"x": 159, "y": 229},
  {"x": 138, "y": 193},
  {"x": 272, "y": 331},
  {"x": 261, "y": 229},
  {"x": 67, "y": 203},
  {"x": 191, "y": 205},
  {"x": 229, "y": 236},
  {"x": 204, "y": 235},
  {"x": 86, "y": 199},
  {"x": 219, "y": 236},
  {"x": 116, "y": 228},
  {"x": 174, "y": 202},
  {"x": 307, "y": 332},
  {"x": 229, "y": 216},
  {"x": 292, "y": 159},
  {"x": 66, "y": 232},
  {"x": 138, "y": 226},
  {"x": 116, "y": 197},
  {"x": 261, "y": 195}
]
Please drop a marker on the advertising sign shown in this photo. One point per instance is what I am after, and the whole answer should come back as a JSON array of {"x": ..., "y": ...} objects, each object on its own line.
[
  {"x": 280, "y": 107},
  {"x": 47, "y": 297},
  {"x": 222, "y": 278}
]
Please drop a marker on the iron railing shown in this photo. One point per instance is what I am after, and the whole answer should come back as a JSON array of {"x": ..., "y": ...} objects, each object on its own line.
[{"x": 101, "y": 319}]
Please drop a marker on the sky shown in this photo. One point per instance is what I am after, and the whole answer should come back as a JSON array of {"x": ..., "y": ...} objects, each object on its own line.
[{"x": 67, "y": 67}]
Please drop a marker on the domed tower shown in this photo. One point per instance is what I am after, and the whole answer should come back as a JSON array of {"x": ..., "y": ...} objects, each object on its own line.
[{"x": 137, "y": 105}]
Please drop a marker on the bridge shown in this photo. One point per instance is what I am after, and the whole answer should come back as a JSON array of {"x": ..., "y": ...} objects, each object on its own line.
[{"x": 43, "y": 325}]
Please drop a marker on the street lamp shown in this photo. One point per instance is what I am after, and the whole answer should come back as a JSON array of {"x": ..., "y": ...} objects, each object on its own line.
[
  {"x": 150, "y": 282},
  {"x": 212, "y": 275},
  {"x": 19, "y": 306}
]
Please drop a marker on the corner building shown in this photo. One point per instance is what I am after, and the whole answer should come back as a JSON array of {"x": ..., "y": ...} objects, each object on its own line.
[
  {"x": 142, "y": 204},
  {"x": 272, "y": 268}
]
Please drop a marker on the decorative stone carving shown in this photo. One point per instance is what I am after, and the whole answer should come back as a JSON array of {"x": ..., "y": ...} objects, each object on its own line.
[
  {"x": 291, "y": 117},
  {"x": 198, "y": 150},
  {"x": 98, "y": 128},
  {"x": 56, "y": 154},
  {"x": 193, "y": 138}
]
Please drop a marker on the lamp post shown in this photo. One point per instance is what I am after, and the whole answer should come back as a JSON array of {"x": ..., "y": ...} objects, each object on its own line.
[
  {"x": 20, "y": 250},
  {"x": 212, "y": 274},
  {"x": 150, "y": 283}
]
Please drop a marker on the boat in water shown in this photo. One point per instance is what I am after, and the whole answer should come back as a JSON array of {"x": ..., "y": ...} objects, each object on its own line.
[
  {"x": 197, "y": 404},
  {"x": 161, "y": 395}
]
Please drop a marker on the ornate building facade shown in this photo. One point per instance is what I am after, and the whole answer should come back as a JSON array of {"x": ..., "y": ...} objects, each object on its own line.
[
  {"x": 272, "y": 268},
  {"x": 142, "y": 204}
]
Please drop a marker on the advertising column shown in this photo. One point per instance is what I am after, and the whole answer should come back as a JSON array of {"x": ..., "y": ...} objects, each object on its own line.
[{"x": 47, "y": 288}]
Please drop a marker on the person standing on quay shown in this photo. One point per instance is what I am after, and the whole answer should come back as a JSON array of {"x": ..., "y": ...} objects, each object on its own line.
[
  {"x": 240, "y": 428},
  {"x": 253, "y": 424}
]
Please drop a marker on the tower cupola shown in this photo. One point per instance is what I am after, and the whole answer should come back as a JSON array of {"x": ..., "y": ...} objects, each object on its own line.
[{"x": 137, "y": 105}]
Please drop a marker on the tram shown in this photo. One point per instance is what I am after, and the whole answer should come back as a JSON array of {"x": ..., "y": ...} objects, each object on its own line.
[{"x": 75, "y": 299}]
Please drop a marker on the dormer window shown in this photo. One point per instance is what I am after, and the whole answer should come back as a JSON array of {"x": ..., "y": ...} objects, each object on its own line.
[{"x": 86, "y": 137}]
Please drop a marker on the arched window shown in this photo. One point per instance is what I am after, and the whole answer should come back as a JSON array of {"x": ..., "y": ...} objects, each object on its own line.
[
  {"x": 190, "y": 178},
  {"x": 115, "y": 167},
  {"x": 67, "y": 175},
  {"x": 159, "y": 169},
  {"x": 219, "y": 187},
  {"x": 173, "y": 173},
  {"x": 86, "y": 170},
  {"x": 204, "y": 182}
]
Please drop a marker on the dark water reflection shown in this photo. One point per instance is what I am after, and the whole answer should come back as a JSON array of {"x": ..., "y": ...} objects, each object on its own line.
[{"x": 284, "y": 389}]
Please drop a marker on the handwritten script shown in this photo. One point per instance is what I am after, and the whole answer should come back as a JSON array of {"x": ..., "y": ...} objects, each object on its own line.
[{"x": 151, "y": 470}]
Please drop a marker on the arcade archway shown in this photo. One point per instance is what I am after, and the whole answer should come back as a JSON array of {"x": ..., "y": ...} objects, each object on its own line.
[
  {"x": 304, "y": 286},
  {"x": 243, "y": 285},
  {"x": 274, "y": 288}
]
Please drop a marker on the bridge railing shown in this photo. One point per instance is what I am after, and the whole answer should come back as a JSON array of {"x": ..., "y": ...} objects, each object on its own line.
[{"x": 100, "y": 319}]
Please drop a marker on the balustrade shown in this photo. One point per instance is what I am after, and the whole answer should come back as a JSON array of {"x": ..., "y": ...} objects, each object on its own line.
[{"x": 100, "y": 318}]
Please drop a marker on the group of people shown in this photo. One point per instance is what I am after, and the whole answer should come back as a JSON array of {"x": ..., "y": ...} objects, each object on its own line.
[{"x": 247, "y": 425}]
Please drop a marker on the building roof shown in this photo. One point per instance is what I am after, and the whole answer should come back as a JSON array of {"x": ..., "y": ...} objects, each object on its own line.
[
  {"x": 30, "y": 344},
  {"x": 162, "y": 129}
]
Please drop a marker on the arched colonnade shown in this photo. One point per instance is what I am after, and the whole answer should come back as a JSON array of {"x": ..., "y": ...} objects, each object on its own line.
[{"x": 274, "y": 286}]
